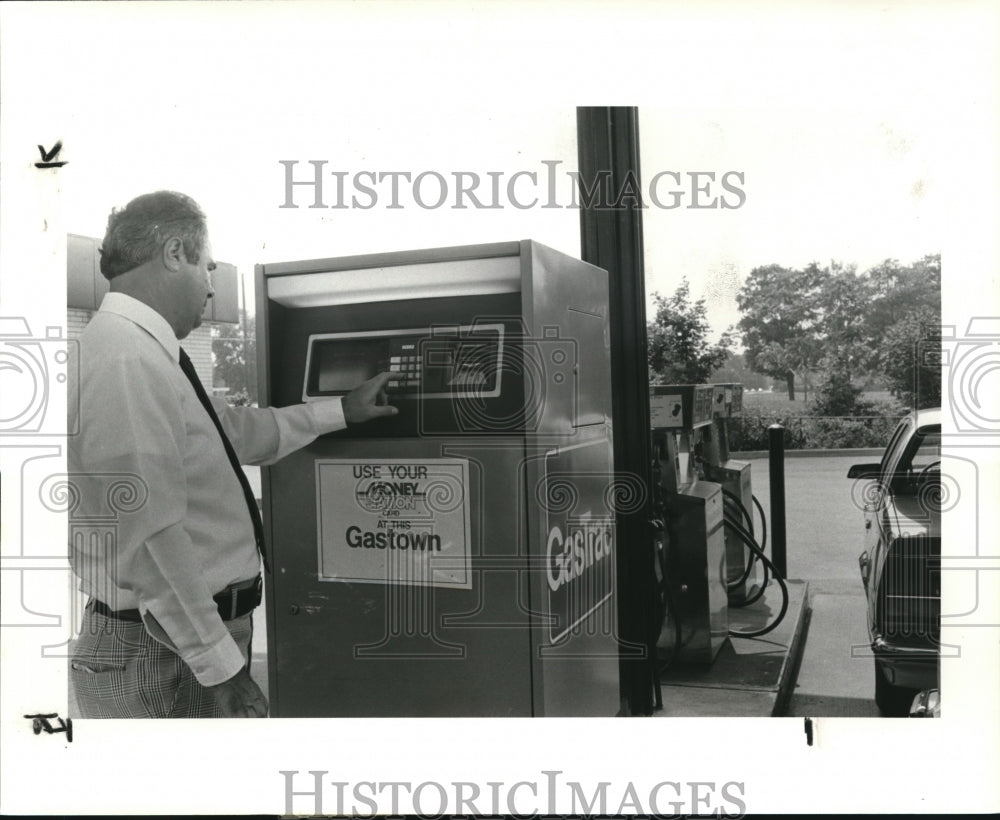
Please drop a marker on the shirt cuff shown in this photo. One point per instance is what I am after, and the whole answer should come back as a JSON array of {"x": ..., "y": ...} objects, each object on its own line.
[
  {"x": 328, "y": 415},
  {"x": 215, "y": 663}
]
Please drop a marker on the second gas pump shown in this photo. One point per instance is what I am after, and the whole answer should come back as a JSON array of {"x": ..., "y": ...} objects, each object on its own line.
[{"x": 709, "y": 554}]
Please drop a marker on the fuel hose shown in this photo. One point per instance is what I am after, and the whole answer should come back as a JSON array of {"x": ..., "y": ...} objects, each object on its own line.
[
  {"x": 748, "y": 540},
  {"x": 756, "y": 552}
]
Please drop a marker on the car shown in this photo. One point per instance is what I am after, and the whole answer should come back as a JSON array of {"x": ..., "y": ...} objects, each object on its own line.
[{"x": 901, "y": 562}]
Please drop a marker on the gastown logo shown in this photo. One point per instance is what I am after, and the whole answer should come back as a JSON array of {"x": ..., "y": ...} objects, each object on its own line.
[{"x": 569, "y": 556}]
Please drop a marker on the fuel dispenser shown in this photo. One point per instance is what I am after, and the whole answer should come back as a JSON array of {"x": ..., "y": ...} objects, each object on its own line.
[
  {"x": 693, "y": 555},
  {"x": 734, "y": 478},
  {"x": 457, "y": 559},
  {"x": 708, "y": 548}
]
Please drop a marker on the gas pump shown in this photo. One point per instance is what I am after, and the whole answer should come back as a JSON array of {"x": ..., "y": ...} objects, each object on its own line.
[
  {"x": 734, "y": 478},
  {"x": 459, "y": 558},
  {"x": 693, "y": 550},
  {"x": 703, "y": 522}
]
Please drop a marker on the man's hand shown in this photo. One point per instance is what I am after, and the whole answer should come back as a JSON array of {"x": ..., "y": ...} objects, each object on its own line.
[
  {"x": 240, "y": 697},
  {"x": 368, "y": 401}
]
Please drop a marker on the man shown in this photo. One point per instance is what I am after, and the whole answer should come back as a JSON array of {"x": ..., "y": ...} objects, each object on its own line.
[{"x": 167, "y": 630}]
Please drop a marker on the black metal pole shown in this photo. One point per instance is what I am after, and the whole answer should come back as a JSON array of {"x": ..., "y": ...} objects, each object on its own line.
[
  {"x": 611, "y": 238},
  {"x": 776, "y": 466}
]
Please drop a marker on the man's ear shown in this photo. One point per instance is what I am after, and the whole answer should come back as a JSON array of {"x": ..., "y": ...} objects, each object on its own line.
[{"x": 173, "y": 253}]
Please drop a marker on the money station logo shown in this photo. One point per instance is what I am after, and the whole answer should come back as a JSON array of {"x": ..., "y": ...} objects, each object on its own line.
[{"x": 391, "y": 490}]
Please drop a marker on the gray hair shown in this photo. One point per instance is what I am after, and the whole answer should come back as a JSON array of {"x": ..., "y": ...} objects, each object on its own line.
[{"x": 137, "y": 232}]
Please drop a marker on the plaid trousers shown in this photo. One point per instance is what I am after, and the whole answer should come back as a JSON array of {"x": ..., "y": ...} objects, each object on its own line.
[{"x": 118, "y": 670}]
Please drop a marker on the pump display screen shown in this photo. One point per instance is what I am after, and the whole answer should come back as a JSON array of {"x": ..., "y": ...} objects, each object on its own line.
[
  {"x": 440, "y": 362},
  {"x": 342, "y": 367}
]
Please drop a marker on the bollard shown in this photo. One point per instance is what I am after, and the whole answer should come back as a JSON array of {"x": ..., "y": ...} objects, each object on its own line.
[{"x": 776, "y": 466}]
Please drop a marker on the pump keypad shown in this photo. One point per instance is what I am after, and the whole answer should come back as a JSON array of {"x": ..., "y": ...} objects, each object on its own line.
[{"x": 406, "y": 370}]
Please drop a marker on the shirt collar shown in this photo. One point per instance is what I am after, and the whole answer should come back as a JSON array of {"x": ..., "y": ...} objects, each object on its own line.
[{"x": 145, "y": 317}]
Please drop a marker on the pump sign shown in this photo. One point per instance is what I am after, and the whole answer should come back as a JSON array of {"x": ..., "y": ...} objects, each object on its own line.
[
  {"x": 398, "y": 521},
  {"x": 577, "y": 495}
]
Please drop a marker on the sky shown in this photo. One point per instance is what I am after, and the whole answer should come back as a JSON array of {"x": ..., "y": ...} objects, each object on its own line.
[
  {"x": 840, "y": 124},
  {"x": 862, "y": 131}
]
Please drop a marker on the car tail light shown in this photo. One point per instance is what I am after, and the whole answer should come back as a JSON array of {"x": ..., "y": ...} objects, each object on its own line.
[{"x": 926, "y": 704}]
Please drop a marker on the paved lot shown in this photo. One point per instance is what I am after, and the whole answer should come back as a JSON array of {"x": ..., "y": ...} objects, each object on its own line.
[{"x": 824, "y": 535}]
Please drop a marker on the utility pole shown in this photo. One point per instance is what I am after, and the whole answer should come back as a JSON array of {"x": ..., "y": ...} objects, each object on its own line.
[{"x": 611, "y": 238}]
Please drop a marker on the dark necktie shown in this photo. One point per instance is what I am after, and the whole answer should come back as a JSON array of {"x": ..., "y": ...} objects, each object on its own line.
[{"x": 258, "y": 524}]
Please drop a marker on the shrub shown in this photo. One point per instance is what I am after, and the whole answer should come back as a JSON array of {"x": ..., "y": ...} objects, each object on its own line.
[
  {"x": 839, "y": 432},
  {"x": 838, "y": 397},
  {"x": 239, "y": 398},
  {"x": 749, "y": 431},
  {"x": 808, "y": 432}
]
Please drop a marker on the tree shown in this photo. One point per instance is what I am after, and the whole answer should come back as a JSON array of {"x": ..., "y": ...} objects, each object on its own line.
[
  {"x": 898, "y": 291},
  {"x": 235, "y": 352},
  {"x": 845, "y": 325},
  {"x": 843, "y": 300},
  {"x": 780, "y": 322},
  {"x": 903, "y": 329},
  {"x": 909, "y": 357},
  {"x": 679, "y": 350},
  {"x": 843, "y": 303}
]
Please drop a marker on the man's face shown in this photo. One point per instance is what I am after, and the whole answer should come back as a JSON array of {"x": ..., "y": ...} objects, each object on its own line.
[{"x": 195, "y": 288}]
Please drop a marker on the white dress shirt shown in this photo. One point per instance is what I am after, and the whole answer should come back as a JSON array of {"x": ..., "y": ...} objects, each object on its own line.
[{"x": 183, "y": 532}]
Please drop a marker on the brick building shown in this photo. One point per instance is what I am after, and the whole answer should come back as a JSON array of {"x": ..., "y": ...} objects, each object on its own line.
[{"x": 86, "y": 288}]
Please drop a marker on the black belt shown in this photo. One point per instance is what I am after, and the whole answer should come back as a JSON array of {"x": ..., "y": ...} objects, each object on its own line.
[{"x": 233, "y": 601}]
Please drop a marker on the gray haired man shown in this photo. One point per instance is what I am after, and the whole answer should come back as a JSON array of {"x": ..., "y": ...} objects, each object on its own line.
[{"x": 167, "y": 629}]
